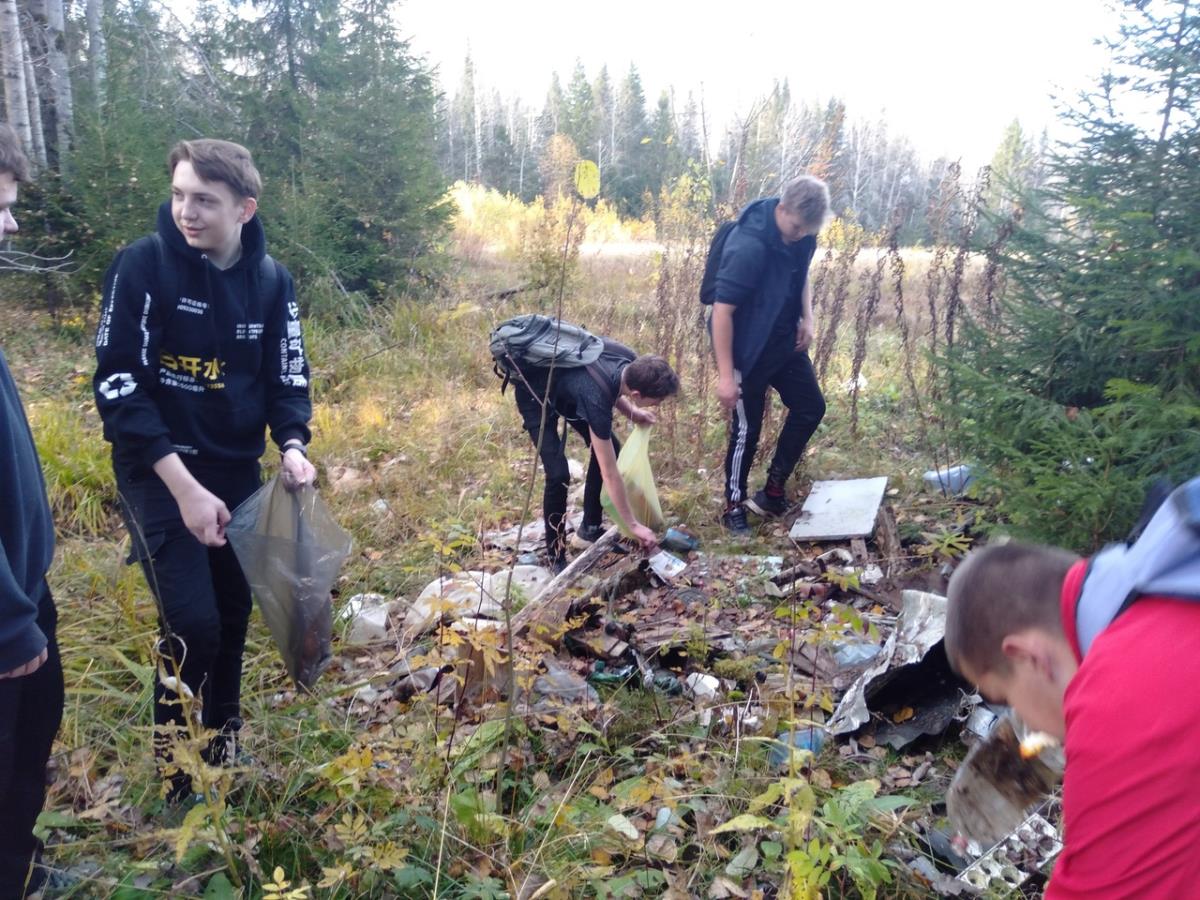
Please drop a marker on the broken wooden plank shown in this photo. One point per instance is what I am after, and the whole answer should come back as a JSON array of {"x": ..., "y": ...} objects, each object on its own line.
[
  {"x": 651, "y": 641},
  {"x": 805, "y": 569},
  {"x": 839, "y": 510},
  {"x": 887, "y": 539},
  {"x": 810, "y": 659},
  {"x": 577, "y": 567},
  {"x": 552, "y": 605},
  {"x": 596, "y": 645}
]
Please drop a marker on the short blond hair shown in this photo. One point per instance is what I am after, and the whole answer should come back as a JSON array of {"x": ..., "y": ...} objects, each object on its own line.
[{"x": 808, "y": 196}]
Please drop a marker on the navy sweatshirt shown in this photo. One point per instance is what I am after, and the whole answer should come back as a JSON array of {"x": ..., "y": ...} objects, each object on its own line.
[
  {"x": 194, "y": 359},
  {"x": 26, "y": 533},
  {"x": 763, "y": 277}
]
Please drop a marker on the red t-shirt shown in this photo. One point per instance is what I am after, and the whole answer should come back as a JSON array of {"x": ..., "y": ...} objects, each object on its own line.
[{"x": 1131, "y": 791}]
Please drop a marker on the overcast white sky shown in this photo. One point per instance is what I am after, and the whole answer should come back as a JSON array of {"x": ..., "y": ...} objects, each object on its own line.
[{"x": 950, "y": 74}]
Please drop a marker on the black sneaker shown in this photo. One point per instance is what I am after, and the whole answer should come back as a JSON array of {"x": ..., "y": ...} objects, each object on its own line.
[
  {"x": 767, "y": 505},
  {"x": 586, "y": 535},
  {"x": 734, "y": 521}
]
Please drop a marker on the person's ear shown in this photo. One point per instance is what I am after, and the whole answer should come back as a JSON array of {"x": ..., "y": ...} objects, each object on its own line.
[
  {"x": 1029, "y": 647},
  {"x": 1018, "y": 647},
  {"x": 249, "y": 208}
]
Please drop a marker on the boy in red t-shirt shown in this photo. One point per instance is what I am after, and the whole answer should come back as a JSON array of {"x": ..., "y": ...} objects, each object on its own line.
[{"x": 1127, "y": 713}]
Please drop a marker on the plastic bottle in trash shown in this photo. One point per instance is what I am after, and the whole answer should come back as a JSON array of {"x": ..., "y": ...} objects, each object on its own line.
[
  {"x": 667, "y": 683},
  {"x": 952, "y": 480},
  {"x": 679, "y": 541},
  {"x": 601, "y": 674},
  {"x": 848, "y": 654},
  {"x": 805, "y": 737}
]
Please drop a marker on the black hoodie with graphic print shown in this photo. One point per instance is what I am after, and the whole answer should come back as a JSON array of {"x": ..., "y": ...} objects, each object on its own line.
[{"x": 195, "y": 360}]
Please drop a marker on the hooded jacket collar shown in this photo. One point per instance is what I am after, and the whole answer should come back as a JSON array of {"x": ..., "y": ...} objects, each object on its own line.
[
  {"x": 254, "y": 241},
  {"x": 758, "y": 218}
]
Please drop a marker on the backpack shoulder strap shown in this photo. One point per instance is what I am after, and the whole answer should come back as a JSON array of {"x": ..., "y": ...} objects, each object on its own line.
[
  {"x": 597, "y": 376},
  {"x": 613, "y": 350},
  {"x": 268, "y": 276}
]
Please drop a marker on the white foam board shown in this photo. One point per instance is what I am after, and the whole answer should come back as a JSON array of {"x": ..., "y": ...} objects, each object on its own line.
[{"x": 839, "y": 510}]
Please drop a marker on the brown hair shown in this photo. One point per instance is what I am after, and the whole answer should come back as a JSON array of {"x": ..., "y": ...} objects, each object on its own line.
[
  {"x": 12, "y": 157},
  {"x": 652, "y": 377},
  {"x": 1000, "y": 590},
  {"x": 808, "y": 196},
  {"x": 222, "y": 161}
]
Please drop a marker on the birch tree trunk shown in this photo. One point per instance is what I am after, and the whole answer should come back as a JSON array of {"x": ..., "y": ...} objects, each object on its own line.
[
  {"x": 33, "y": 96},
  {"x": 12, "y": 52},
  {"x": 97, "y": 51},
  {"x": 60, "y": 80},
  {"x": 478, "y": 139}
]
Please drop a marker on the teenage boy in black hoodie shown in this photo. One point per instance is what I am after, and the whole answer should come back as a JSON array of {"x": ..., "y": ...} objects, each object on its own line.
[
  {"x": 762, "y": 328},
  {"x": 31, "y": 679},
  {"x": 199, "y": 351}
]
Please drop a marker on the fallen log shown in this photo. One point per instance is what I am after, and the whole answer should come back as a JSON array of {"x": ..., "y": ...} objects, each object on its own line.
[
  {"x": 795, "y": 573},
  {"x": 551, "y": 604}
]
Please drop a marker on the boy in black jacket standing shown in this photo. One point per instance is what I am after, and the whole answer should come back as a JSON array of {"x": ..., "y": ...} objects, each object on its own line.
[
  {"x": 199, "y": 351},
  {"x": 31, "y": 679},
  {"x": 762, "y": 328}
]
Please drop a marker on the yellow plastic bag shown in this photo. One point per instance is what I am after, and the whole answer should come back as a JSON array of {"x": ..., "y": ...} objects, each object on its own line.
[{"x": 634, "y": 465}]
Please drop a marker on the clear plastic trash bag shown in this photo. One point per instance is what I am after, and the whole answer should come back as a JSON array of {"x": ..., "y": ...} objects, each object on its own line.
[
  {"x": 634, "y": 465},
  {"x": 291, "y": 551}
]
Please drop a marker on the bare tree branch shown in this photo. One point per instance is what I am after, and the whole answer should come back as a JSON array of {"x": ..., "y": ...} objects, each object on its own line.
[{"x": 21, "y": 261}]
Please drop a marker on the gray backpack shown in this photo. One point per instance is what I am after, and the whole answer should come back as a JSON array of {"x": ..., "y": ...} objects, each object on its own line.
[
  {"x": 1163, "y": 561},
  {"x": 533, "y": 341}
]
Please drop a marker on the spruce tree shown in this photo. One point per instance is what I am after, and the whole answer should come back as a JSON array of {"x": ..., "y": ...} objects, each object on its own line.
[
  {"x": 340, "y": 117},
  {"x": 1083, "y": 384},
  {"x": 628, "y": 182},
  {"x": 580, "y": 113}
]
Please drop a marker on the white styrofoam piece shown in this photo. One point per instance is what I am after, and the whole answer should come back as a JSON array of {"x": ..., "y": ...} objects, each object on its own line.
[{"x": 838, "y": 510}]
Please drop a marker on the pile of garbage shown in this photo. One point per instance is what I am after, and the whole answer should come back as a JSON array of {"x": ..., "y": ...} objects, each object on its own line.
[{"x": 737, "y": 638}]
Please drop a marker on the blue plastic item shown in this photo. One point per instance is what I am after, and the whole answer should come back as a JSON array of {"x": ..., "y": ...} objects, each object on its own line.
[
  {"x": 953, "y": 480},
  {"x": 806, "y": 737},
  {"x": 679, "y": 541}
]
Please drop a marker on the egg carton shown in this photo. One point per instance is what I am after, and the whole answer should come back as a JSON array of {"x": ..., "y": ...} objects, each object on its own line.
[{"x": 1012, "y": 861}]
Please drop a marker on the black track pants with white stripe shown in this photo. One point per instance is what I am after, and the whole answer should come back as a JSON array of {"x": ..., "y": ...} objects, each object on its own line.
[{"x": 790, "y": 373}]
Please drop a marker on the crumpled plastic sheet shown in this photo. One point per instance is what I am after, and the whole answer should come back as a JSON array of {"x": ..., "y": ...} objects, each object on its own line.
[
  {"x": 533, "y": 534},
  {"x": 919, "y": 627}
]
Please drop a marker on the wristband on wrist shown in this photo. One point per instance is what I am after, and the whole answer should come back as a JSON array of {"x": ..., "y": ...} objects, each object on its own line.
[{"x": 296, "y": 446}]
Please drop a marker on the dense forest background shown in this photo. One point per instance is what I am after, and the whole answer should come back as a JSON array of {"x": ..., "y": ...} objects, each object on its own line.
[
  {"x": 358, "y": 144},
  {"x": 643, "y": 145}
]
